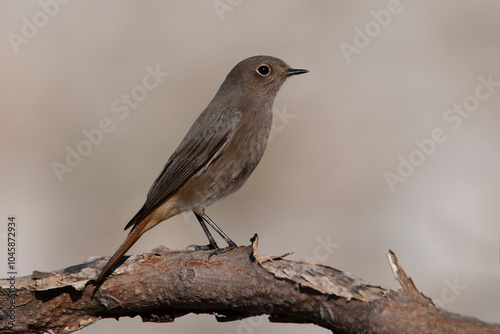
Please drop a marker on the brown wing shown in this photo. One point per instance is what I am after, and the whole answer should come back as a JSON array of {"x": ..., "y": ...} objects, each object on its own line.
[{"x": 205, "y": 141}]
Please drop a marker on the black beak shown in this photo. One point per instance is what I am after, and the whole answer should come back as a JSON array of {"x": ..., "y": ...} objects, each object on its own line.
[{"x": 294, "y": 71}]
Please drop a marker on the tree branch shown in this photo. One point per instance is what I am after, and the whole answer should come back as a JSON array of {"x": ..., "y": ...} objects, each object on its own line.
[{"x": 163, "y": 284}]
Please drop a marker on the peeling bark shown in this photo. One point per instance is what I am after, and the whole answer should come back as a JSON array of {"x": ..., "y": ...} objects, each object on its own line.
[{"x": 162, "y": 285}]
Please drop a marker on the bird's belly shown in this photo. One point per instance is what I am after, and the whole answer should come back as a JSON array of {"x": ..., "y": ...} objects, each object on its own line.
[{"x": 223, "y": 176}]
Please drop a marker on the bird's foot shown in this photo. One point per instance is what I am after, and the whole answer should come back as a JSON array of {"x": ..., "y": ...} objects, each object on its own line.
[
  {"x": 222, "y": 250},
  {"x": 202, "y": 247}
]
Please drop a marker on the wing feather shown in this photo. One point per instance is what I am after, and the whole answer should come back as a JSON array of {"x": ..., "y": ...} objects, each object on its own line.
[{"x": 194, "y": 154}]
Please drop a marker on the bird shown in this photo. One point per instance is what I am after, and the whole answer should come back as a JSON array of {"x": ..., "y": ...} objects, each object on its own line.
[{"x": 217, "y": 155}]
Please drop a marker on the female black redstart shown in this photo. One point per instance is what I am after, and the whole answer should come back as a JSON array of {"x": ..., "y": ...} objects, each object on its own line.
[{"x": 219, "y": 152}]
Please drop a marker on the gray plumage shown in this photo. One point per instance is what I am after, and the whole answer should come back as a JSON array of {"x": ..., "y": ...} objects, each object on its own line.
[{"x": 219, "y": 152}]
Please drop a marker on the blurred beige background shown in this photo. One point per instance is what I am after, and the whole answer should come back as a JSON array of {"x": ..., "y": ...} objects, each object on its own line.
[{"x": 320, "y": 189}]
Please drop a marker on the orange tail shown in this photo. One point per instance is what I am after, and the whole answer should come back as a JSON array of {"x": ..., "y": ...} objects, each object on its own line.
[{"x": 134, "y": 235}]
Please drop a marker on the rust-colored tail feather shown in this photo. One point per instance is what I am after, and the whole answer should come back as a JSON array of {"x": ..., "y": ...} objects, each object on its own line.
[{"x": 134, "y": 235}]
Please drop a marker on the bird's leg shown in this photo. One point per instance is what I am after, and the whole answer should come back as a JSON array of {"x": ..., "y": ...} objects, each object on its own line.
[
  {"x": 230, "y": 242},
  {"x": 204, "y": 219},
  {"x": 212, "y": 244},
  {"x": 224, "y": 236}
]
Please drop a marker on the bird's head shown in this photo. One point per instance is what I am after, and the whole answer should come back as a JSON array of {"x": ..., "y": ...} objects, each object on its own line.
[{"x": 259, "y": 76}]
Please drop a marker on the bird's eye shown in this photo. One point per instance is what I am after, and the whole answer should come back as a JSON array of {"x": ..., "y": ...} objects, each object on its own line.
[{"x": 263, "y": 70}]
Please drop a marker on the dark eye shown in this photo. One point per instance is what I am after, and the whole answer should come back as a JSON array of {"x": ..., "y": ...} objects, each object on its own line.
[{"x": 263, "y": 70}]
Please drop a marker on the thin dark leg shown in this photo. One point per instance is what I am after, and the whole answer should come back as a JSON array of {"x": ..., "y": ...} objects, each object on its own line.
[
  {"x": 211, "y": 239},
  {"x": 217, "y": 229}
]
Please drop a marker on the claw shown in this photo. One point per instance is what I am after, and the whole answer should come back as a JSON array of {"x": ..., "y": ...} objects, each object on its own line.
[
  {"x": 219, "y": 251},
  {"x": 203, "y": 247}
]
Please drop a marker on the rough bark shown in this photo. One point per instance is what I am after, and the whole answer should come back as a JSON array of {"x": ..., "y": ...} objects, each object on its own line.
[{"x": 163, "y": 284}]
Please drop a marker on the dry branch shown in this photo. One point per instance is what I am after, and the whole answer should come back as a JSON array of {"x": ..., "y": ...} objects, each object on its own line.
[{"x": 163, "y": 284}]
